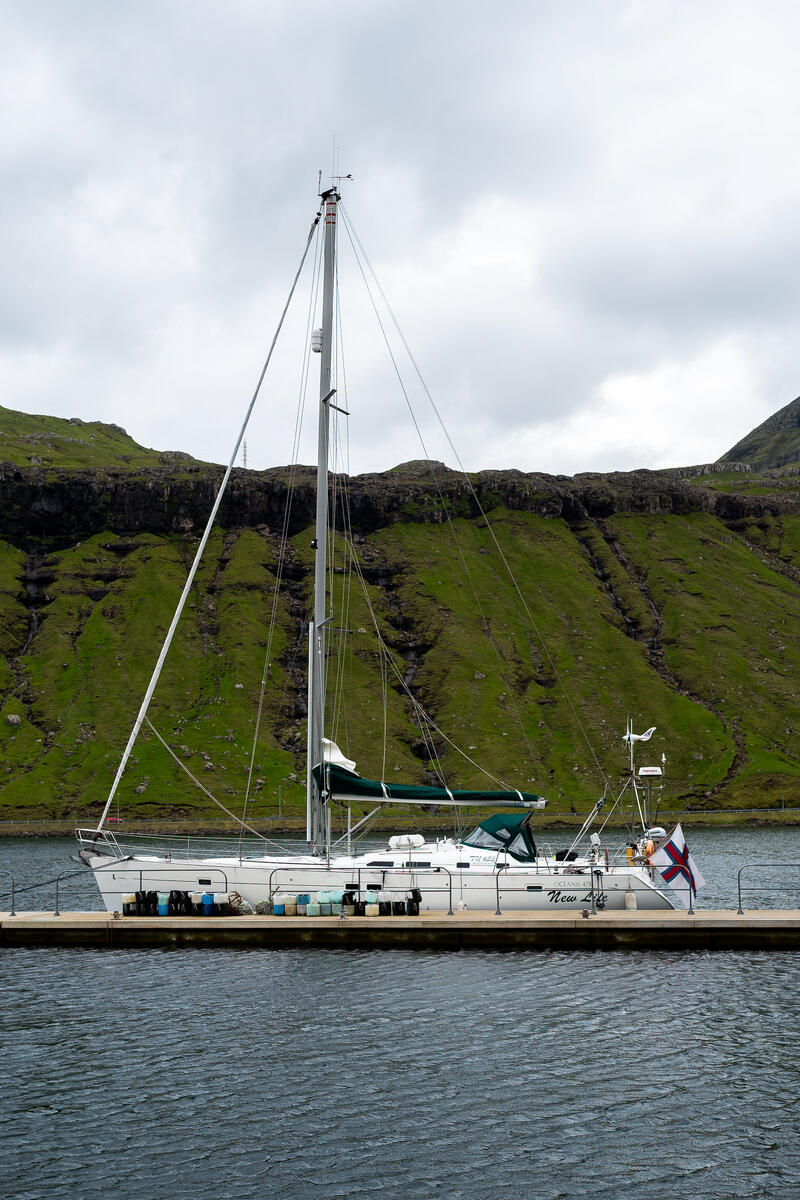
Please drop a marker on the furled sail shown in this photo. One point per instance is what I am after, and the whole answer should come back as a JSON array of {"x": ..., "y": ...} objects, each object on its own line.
[{"x": 340, "y": 784}]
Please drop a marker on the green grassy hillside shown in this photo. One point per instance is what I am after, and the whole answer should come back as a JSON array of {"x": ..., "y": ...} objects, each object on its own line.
[
  {"x": 28, "y": 440},
  {"x": 774, "y": 443},
  {"x": 682, "y": 622}
]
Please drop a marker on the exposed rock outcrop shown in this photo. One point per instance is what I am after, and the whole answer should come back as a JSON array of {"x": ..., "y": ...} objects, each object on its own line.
[{"x": 45, "y": 503}]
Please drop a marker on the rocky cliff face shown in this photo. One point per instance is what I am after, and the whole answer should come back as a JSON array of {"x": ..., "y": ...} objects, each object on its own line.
[
  {"x": 67, "y": 479},
  {"x": 38, "y": 504}
]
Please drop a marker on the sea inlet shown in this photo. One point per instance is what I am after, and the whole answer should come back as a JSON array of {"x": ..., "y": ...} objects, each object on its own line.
[{"x": 302, "y": 1074}]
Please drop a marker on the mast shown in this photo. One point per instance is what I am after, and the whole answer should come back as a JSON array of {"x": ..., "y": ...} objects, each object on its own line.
[{"x": 316, "y": 824}]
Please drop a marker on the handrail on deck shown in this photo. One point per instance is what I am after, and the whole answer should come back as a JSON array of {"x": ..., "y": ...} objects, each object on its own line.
[
  {"x": 3, "y": 871},
  {"x": 94, "y": 839},
  {"x": 740, "y": 910},
  {"x": 500, "y": 867},
  {"x": 181, "y": 845},
  {"x": 61, "y": 875}
]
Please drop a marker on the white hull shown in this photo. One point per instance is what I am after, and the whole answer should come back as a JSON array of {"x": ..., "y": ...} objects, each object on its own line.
[{"x": 531, "y": 887}]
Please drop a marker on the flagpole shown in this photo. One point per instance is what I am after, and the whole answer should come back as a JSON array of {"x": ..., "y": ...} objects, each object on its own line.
[{"x": 633, "y": 785}]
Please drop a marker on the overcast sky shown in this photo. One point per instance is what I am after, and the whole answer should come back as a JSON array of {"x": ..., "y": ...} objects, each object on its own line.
[{"x": 585, "y": 214}]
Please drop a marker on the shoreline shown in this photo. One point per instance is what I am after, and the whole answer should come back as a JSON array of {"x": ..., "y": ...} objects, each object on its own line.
[{"x": 288, "y": 827}]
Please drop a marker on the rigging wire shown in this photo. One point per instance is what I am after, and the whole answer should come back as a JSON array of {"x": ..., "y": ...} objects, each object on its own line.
[
  {"x": 282, "y": 541},
  {"x": 350, "y": 565},
  {"x": 510, "y": 690},
  {"x": 385, "y": 699},
  {"x": 355, "y": 240},
  {"x": 386, "y": 661},
  {"x": 290, "y": 669},
  {"x": 341, "y": 465},
  {"x": 201, "y": 547},
  {"x": 350, "y": 560},
  {"x": 427, "y": 723},
  {"x": 197, "y": 782},
  {"x": 345, "y": 500}
]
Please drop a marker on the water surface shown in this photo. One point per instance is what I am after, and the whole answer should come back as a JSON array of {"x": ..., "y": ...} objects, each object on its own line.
[
  {"x": 249, "y": 1074},
  {"x": 214, "y": 1074}
]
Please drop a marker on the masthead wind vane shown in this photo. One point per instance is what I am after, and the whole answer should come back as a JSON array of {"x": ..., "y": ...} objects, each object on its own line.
[{"x": 630, "y": 736}]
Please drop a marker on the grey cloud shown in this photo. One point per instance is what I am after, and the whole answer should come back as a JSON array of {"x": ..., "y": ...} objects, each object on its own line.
[{"x": 159, "y": 173}]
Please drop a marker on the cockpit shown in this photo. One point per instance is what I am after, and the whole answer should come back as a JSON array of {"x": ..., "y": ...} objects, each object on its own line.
[{"x": 508, "y": 832}]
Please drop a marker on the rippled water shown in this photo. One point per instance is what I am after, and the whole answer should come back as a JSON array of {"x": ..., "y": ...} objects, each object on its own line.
[{"x": 248, "y": 1074}]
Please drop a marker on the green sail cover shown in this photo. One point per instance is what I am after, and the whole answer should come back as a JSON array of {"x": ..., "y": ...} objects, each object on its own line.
[
  {"x": 505, "y": 831},
  {"x": 346, "y": 785}
]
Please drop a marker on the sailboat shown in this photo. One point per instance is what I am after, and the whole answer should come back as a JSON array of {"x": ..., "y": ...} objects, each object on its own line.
[{"x": 498, "y": 863}]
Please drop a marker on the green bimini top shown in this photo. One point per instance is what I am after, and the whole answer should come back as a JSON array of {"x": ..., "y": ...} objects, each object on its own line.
[
  {"x": 341, "y": 784},
  {"x": 505, "y": 831}
]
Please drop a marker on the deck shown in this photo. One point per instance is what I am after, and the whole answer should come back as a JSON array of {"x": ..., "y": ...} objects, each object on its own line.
[{"x": 704, "y": 930}]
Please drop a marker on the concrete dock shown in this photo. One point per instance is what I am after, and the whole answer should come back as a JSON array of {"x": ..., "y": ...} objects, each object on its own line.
[{"x": 724, "y": 930}]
